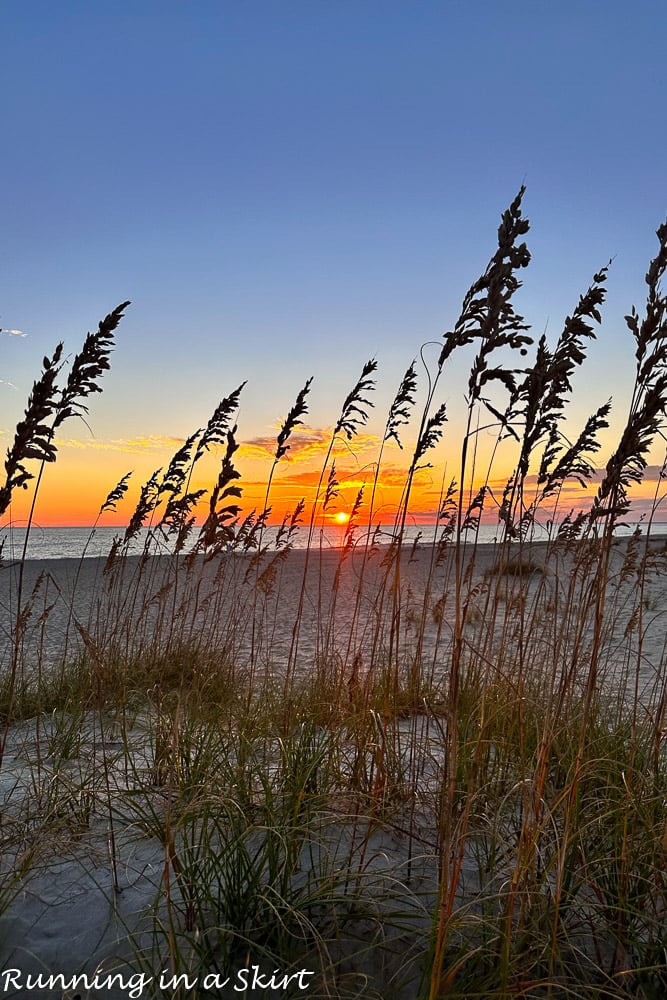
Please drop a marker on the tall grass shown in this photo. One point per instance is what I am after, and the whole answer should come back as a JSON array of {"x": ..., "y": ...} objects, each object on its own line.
[{"x": 435, "y": 769}]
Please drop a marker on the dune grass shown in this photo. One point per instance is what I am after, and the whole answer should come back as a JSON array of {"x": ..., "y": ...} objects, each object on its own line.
[{"x": 421, "y": 770}]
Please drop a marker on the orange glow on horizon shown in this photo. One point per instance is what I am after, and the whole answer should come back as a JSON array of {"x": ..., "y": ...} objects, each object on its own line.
[{"x": 72, "y": 490}]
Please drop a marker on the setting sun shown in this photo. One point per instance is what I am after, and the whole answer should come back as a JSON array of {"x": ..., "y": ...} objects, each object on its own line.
[{"x": 342, "y": 517}]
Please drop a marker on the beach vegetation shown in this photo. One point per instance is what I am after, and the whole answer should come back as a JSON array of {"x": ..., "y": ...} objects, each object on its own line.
[{"x": 426, "y": 769}]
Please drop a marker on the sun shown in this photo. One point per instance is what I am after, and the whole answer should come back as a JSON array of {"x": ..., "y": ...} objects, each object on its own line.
[{"x": 342, "y": 517}]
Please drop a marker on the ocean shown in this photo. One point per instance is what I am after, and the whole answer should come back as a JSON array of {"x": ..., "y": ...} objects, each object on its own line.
[{"x": 75, "y": 543}]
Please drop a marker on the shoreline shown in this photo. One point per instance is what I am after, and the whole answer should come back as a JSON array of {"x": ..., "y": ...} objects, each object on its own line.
[{"x": 98, "y": 542}]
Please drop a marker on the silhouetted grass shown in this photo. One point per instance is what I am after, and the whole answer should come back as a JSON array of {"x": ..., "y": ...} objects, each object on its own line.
[{"x": 427, "y": 770}]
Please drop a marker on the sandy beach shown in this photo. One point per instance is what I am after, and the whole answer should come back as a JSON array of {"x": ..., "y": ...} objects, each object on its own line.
[
  {"x": 247, "y": 607},
  {"x": 89, "y": 904}
]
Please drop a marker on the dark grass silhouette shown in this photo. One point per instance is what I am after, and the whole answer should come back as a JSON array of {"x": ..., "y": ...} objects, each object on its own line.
[{"x": 434, "y": 769}]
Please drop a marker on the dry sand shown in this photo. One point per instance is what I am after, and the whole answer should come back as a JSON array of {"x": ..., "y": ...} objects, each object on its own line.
[
  {"x": 247, "y": 610},
  {"x": 66, "y": 916}
]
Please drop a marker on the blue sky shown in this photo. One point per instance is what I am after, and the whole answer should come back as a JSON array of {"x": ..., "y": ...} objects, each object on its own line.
[{"x": 286, "y": 189}]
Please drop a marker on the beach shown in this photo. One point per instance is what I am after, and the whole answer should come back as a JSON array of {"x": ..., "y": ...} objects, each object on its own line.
[
  {"x": 103, "y": 810},
  {"x": 247, "y": 606}
]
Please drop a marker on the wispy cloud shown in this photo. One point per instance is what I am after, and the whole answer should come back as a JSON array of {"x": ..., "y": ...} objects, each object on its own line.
[
  {"x": 352, "y": 477},
  {"x": 307, "y": 442},
  {"x": 651, "y": 474},
  {"x": 13, "y": 333},
  {"x": 139, "y": 445},
  {"x": 3, "y": 381},
  {"x": 303, "y": 444},
  {"x": 396, "y": 475}
]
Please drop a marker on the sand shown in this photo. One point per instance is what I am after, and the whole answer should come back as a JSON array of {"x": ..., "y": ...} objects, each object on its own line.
[
  {"x": 247, "y": 609},
  {"x": 66, "y": 916}
]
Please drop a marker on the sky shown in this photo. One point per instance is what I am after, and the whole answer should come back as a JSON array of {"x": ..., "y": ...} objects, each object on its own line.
[{"x": 285, "y": 190}]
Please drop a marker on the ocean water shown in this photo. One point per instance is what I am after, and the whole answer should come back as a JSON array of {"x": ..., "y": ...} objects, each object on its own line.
[{"x": 75, "y": 543}]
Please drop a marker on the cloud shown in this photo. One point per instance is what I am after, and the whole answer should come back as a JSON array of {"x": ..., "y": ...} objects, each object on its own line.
[
  {"x": 139, "y": 445},
  {"x": 3, "y": 381},
  {"x": 353, "y": 477},
  {"x": 305, "y": 443},
  {"x": 14, "y": 333},
  {"x": 396, "y": 475},
  {"x": 302, "y": 444},
  {"x": 653, "y": 473}
]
